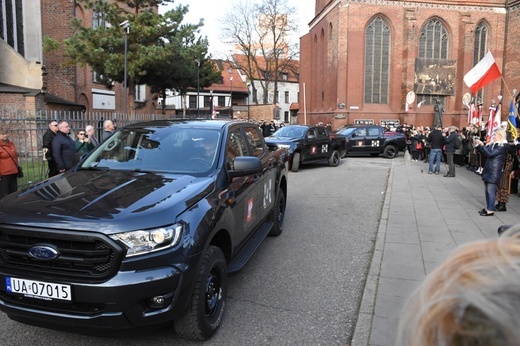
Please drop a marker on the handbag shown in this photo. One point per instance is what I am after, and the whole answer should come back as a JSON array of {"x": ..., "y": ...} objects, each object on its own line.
[
  {"x": 20, "y": 170},
  {"x": 419, "y": 146}
]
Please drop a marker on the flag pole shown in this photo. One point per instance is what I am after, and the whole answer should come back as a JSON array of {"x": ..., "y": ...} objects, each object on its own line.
[{"x": 507, "y": 88}]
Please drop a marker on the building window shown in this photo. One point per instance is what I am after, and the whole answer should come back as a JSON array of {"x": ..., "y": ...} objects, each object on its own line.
[
  {"x": 377, "y": 61},
  {"x": 286, "y": 97},
  {"x": 207, "y": 101},
  {"x": 481, "y": 48},
  {"x": 98, "y": 20},
  {"x": 221, "y": 101},
  {"x": 433, "y": 40},
  {"x": 140, "y": 93},
  {"x": 433, "y": 44},
  {"x": 285, "y": 76},
  {"x": 100, "y": 78},
  {"x": 192, "y": 101}
]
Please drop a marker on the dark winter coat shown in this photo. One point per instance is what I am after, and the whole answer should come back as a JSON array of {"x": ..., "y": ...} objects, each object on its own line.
[
  {"x": 63, "y": 150},
  {"x": 436, "y": 139},
  {"x": 450, "y": 142},
  {"x": 47, "y": 143},
  {"x": 495, "y": 156}
]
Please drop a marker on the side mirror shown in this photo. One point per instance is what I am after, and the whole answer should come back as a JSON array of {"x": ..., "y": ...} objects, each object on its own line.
[{"x": 245, "y": 165}]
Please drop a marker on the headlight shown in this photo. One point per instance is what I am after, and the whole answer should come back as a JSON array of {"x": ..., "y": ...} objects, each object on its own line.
[{"x": 145, "y": 241}]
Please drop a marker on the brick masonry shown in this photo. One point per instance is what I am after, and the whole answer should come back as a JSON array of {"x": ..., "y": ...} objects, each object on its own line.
[{"x": 332, "y": 57}]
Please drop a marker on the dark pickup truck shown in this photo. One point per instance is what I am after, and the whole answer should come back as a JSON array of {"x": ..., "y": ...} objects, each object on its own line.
[
  {"x": 144, "y": 230},
  {"x": 373, "y": 140},
  {"x": 308, "y": 144}
]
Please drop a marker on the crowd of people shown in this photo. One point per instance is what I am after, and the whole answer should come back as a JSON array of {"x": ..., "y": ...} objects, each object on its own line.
[
  {"x": 62, "y": 152},
  {"x": 494, "y": 157}
]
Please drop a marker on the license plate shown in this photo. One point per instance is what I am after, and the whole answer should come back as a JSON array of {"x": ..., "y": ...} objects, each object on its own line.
[{"x": 38, "y": 289}]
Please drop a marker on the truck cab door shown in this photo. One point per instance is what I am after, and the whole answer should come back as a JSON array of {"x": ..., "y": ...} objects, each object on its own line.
[
  {"x": 313, "y": 145},
  {"x": 251, "y": 196},
  {"x": 265, "y": 189},
  {"x": 323, "y": 142},
  {"x": 374, "y": 139},
  {"x": 360, "y": 141}
]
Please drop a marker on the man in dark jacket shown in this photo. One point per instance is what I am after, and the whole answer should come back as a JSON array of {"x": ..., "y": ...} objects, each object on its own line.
[
  {"x": 436, "y": 140},
  {"x": 63, "y": 148},
  {"x": 449, "y": 142},
  {"x": 47, "y": 147}
]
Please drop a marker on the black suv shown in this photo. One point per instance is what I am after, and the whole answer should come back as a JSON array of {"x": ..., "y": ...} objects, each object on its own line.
[{"x": 144, "y": 229}]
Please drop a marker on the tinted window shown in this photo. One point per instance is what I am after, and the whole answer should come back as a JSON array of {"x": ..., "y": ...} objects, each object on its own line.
[
  {"x": 255, "y": 141},
  {"x": 372, "y": 131},
  {"x": 235, "y": 146}
]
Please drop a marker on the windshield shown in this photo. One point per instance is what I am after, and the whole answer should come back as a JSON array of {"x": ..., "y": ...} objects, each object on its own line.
[
  {"x": 290, "y": 131},
  {"x": 159, "y": 149}
]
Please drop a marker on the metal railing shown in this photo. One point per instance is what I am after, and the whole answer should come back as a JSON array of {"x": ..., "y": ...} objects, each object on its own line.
[{"x": 26, "y": 130}]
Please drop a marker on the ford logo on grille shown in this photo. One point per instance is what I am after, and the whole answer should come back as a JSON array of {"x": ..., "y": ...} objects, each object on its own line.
[{"x": 43, "y": 252}]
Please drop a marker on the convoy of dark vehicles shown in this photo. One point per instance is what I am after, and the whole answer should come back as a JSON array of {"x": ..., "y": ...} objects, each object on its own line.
[
  {"x": 373, "y": 140},
  {"x": 309, "y": 144},
  {"x": 144, "y": 230}
]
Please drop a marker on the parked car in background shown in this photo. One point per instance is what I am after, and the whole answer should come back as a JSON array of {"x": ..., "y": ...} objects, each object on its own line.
[
  {"x": 308, "y": 144},
  {"x": 144, "y": 230},
  {"x": 373, "y": 140}
]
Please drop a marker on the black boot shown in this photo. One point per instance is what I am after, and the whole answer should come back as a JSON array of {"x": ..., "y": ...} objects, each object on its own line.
[{"x": 500, "y": 207}]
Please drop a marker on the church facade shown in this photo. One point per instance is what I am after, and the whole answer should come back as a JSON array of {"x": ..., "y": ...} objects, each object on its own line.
[{"x": 392, "y": 62}]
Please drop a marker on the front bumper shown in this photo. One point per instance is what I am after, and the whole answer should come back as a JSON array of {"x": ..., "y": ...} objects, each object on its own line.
[{"x": 119, "y": 303}]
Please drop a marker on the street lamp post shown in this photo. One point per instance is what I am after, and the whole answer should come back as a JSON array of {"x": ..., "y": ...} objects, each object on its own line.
[
  {"x": 231, "y": 97},
  {"x": 198, "y": 85},
  {"x": 247, "y": 100},
  {"x": 126, "y": 27}
]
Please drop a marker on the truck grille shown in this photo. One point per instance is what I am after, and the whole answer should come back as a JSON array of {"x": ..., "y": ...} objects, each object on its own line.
[{"x": 83, "y": 256}]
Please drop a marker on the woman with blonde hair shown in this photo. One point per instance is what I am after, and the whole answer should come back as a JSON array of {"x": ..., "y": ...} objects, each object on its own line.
[
  {"x": 472, "y": 298},
  {"x": 495, "y": 153}
]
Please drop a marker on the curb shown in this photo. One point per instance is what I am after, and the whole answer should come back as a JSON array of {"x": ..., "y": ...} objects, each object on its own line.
[{"x": 363, "y": 327}]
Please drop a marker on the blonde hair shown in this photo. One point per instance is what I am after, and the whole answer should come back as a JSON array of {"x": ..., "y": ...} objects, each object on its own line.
[
  {"x": 502, "y": 133},
  {"x": 472, "y": 298}
]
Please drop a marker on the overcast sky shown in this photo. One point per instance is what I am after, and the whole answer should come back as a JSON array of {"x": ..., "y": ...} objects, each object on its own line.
[{"x": 212, "y": 10}]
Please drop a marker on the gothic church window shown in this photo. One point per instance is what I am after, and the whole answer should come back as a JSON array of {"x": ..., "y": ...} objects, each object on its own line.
[
  {"x": 433, "y": 44},
  {"x": 377, "y": 61}
]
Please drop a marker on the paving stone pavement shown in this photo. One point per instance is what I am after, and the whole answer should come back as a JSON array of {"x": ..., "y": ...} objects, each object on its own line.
[{"x": 425, "y": 216}]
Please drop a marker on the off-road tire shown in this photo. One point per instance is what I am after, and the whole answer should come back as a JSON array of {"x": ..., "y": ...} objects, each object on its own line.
[
  {"x": 334, "y": 159},
  {"x": 208, "y": 298},
  {"x": 295, "y": 163},
  {"x": 390, "y": 151},
  {"x": 278, "y": 215}
]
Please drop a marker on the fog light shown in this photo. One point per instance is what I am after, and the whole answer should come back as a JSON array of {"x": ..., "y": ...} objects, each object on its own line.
[{"x": 159, "y": 302}]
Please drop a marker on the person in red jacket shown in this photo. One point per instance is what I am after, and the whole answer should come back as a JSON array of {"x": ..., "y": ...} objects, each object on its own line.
[{"x": 8, "y": 165}]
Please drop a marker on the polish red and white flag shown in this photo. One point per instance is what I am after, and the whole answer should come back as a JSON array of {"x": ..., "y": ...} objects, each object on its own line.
[{"x": 482, "y": 74}]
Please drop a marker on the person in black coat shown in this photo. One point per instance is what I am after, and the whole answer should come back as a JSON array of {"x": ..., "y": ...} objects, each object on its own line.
[
  {"x": 495, "y": 153},
  {"x": 63, "y": 148},
  {"x": 436, "y": 140},
  {"x": 449, "y": 143},
  {"x": 47, "y": 148}
]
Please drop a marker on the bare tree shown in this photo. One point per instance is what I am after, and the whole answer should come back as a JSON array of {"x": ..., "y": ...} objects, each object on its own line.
[{"x": 261, "y": 33}]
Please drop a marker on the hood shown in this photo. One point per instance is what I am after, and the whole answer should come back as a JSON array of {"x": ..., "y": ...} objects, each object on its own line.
[
  {"x": 111, "y": 200},
  {"x": 281, "y": 140}
]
